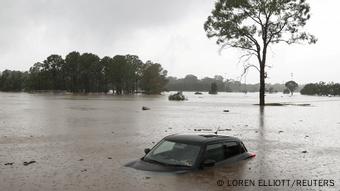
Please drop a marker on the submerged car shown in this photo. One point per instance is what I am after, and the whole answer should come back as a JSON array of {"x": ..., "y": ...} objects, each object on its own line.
[{"x": 181, "y": 153}]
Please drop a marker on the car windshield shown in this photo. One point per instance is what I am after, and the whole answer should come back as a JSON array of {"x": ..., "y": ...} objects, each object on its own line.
[{"x": 173, "y": 154}]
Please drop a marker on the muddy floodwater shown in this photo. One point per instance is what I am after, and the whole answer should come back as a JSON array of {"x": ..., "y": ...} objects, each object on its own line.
[{"x": 83, "y": 142}]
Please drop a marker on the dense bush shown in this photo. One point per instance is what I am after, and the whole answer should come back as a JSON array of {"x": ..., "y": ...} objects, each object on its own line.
[
  {"x": 177, "y": 97},
  {"x": 286, "y": 91},
  {"x": 291, "y": 86},
  {"x": 321, "y": 89}
]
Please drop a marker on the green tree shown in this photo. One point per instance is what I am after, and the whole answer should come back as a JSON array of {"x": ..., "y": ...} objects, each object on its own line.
[
  {"x": 252, "y": 25},
  {"x": 36, "y": 80},
  {"x": 153, "y": 78},
  {"x": 12, "y": 80},
  {"x": 89, "y": 74},
  {"x": 213, "y": 88},
  {"x": 123, "y": 73},
  {"x": 219, "y": 80},
  {"x": 52, "y": 67},
  {"x": 118, "y": 68},
  {"x": 291, "y": 86},
  {"x": 97, "y": 73},
  {"x": 133, "y": 73},
  {"x": 206, "y": 83},
  {"x": 190, "y": 83},
  {"x": 72, "y": 68},
  {"x": 107, "y": 64}
]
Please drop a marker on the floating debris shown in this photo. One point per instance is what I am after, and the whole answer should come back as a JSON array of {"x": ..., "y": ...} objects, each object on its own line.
[
  {"x": 202, "y": 129},
  {"x": 30, "y": 162},
  {"x": 306, "y": 136},
  {"x": 198, "y": 93},
  {"x": 226, "y": 110},
  {"x": 109, "y": 158},
  {"x": 177, "y": 97},
  {"x": 281, "y": 131},
  {"x": 145, "y": 108},
  {"x": 303, "y": 104},
  {"x": 9, "y": 163},
  {"x": 81, "y": 159},
  {"x": 147, "y": 177},
  {"x": 304, "y": 152},
  {"x": 224, "y": 130},
  {"x": 84, "y": 170}
]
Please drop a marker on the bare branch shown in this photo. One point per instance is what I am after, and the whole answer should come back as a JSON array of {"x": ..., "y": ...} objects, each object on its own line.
[
  {"x": 252, "y": 66},
  {"x": 246, "y": 57},
  {"x": 246, "y": 67}
]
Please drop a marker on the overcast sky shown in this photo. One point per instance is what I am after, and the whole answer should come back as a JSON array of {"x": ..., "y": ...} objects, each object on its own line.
[{"x": 169, "y": 32}]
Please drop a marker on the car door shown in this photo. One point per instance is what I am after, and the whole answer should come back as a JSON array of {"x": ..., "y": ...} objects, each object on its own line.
[
  {"x": 215, "y": 151},
  {"x": 224, "y": 152}
]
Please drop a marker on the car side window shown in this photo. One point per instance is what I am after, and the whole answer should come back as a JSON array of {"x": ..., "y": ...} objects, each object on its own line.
[
  {"x": 222, "y": 151},
  {"x": 233, "y": 149},
  {"x": 215, "y": 152}
]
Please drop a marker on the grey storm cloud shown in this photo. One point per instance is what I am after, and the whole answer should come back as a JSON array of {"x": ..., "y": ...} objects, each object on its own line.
[
  {"x": 103, "y": 21},
  {"x": 166, "y": 31}
]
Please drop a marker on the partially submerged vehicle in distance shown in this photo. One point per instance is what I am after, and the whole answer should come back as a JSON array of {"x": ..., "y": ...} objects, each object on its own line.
[{"x": 181, "y": 153}]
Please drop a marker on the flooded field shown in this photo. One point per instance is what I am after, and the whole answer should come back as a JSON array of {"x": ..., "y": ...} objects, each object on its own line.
[{"x": 83, "y": 142}]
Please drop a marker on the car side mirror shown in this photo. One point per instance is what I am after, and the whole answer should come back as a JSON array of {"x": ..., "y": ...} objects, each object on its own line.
[
  {"x": 147, "y": 150},
  {"x": 208, "y": 163}
]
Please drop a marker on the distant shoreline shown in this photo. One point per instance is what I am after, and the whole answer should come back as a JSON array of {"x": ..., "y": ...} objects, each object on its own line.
[{"x": 63, "y": 92}]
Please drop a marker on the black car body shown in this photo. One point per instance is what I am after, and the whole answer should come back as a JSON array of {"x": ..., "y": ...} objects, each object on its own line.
[{"x": 181, "y": 153}]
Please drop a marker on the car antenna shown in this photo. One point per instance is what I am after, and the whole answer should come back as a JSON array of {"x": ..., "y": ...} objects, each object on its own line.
[{"x": 218, "y": 128}]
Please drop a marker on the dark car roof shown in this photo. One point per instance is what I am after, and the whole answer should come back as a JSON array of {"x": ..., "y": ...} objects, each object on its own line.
[{"x": 200, "y": 139}]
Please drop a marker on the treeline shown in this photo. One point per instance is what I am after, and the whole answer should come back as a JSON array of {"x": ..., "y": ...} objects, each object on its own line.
[
  {"x": 84, "y": 73},
  {"x": 321, "y": 89},
  {"x": 192, "y": 83},
  {"x": 13, "y": 80}
]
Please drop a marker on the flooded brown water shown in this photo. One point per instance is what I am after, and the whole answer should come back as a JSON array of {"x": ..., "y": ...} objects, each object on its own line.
[{"x": 83, "y": 142}]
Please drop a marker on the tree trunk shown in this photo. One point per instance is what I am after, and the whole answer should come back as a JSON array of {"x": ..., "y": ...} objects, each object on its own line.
[
  {"x": 263, "y": 74},
  {"x": 262, "y": 86}
]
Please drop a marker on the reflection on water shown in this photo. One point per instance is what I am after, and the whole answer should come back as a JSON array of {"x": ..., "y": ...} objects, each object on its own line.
[
  {"x": 261, "y": 146},
  {"x": 106, "y": 132}
]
